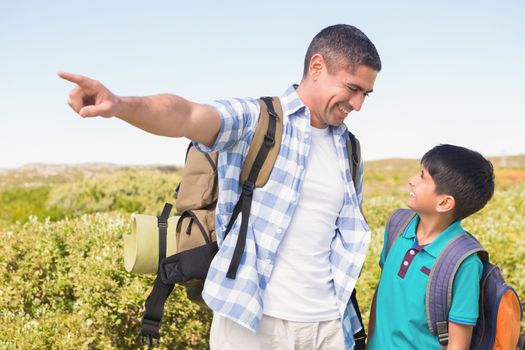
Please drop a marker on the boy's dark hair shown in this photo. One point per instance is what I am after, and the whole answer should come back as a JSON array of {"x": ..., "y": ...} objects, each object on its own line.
[
  {"x": 462, "y": 173},
  {"x": 343, "y": 46}
]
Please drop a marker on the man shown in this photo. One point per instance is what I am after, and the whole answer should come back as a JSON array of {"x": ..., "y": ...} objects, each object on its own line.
[{"x": 307, "y": 239}]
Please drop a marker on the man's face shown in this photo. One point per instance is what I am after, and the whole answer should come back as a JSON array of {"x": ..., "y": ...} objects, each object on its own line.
[{"x": 339, "y": 93}]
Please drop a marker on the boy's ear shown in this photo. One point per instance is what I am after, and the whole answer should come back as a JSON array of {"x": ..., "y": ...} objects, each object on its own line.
[{"x": 446, "y": 203}]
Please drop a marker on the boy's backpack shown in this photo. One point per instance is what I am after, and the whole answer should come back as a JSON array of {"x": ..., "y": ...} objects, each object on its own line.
[
  {"x": 196, "y": 201},
  {"x": 500, "y": 309}
]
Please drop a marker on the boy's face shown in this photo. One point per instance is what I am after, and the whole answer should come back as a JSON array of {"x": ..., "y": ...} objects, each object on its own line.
[{"x": 423, "y": 198}]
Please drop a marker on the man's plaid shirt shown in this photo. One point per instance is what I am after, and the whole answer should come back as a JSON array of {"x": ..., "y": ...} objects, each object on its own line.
[{"x": 272, "y": 208}]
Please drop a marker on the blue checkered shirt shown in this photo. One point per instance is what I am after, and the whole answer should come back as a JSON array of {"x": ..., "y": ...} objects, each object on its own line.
[{"x": 273, "y": 206}]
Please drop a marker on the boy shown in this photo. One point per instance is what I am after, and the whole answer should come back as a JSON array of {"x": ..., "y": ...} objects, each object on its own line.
[{"x": 454, "y": 182}]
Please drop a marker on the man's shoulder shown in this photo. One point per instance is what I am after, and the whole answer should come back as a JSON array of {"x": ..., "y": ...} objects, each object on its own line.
[{"x": 236, "y": 106}]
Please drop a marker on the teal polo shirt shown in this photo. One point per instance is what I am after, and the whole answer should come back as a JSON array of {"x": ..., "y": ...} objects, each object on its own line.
[{"x": 401, "y": 321}]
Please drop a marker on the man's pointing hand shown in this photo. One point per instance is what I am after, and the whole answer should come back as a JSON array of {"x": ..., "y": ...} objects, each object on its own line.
[{"x": 90, "y": 98}]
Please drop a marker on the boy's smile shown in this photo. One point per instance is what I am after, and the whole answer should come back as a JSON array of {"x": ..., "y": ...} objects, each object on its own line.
[{"x": 422, "y": 196}]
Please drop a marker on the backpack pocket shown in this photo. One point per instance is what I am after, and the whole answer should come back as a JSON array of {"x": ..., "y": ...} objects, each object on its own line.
[
  {"x": 195, "y": 228},
  {"x": 508, "y": 318},
  {"x": 199, "y": 188},
  {"x": 196, "y": 248}
]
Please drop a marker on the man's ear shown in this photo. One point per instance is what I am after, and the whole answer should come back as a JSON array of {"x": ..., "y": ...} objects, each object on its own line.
[
  {"x": 446, "y": 203},
  {"x": 316, "y": 66}
]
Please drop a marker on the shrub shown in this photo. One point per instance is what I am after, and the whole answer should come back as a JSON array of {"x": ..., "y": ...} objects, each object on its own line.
[
  {"x": 18, "y": 203},
  {"x": 65, "y": 288},
  {"x": 61, "y": 269},
  {"x": 128, "y": 190}
]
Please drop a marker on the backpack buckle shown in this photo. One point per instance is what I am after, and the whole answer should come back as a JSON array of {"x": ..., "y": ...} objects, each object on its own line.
[
  {"x": 268, "y": 140},
  {"x": 152, "y": 341},
  {"x": 150, "y": 332},
  {"x": 355, "y": 160},
  {"x": 269, "y": 105},
  {"x": 442, "y": 332},
  {"x": 247, "y": 188}
]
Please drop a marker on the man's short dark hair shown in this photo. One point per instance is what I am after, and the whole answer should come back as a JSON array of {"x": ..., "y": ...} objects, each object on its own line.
[
  {"x": 462, "y": 173},
  {"x": 343, "y": 46}
]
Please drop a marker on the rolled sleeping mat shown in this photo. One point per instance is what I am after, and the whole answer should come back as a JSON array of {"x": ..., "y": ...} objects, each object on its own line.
[{"x": 141, "y": 246}]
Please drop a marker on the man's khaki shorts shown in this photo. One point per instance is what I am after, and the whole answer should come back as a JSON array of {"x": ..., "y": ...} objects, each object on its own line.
[{"x": 274, "y": 333}]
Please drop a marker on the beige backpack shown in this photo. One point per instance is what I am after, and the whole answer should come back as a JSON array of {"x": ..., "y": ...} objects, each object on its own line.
[{"x": 196, "y": 241}]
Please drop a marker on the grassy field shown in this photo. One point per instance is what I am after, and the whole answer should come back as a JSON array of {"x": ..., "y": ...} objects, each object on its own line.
[{"x": 61, "y": 268}]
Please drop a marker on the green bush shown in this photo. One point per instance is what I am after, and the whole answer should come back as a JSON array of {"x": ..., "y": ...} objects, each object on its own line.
[
  {"x": 65, "y": 288},
  {"x": 129, "y": 190},
  {"x": 18, "y": 203},
  {"x": 124, "y": 190},
  {"x": 62, "y": 272}
]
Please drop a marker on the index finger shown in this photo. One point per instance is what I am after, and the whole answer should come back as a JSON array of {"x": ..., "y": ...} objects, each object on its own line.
[{"x": 75, "y": 78}]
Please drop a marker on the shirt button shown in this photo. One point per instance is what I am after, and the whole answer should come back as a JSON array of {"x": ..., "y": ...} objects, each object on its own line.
[
  {"x": 412, "y": 252},
  {"x": 306, "y": 136},
  {"x": 279, "y": 231},
  {"x": 405, "y": 263}
]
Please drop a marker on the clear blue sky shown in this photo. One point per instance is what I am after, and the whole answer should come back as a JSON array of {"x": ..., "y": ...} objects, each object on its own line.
[{"x": 453, "y": 71}]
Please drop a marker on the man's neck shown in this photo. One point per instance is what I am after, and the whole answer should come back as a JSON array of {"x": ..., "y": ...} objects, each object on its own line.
[{"x": 303, "y": 91}]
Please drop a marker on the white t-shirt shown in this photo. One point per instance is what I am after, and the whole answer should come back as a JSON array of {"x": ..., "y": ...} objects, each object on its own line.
[{"x": 301, "y": 286}]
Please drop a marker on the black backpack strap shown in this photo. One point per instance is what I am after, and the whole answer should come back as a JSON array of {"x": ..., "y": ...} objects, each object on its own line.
[
  {"x": 162, "y": 224},
  {"x": 359, "y": 337},
  {"x": 353, "y": 148},
  {"x": 151, "y": 320},
  {"x": 244, "y": 204},
  {"x": 439, "y": 286}
]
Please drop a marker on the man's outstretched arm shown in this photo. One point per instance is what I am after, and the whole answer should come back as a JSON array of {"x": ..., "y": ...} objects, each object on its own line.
[{"x": 165, "y": 114}]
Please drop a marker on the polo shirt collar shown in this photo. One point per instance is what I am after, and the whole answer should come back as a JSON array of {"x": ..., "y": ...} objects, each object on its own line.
[{"x": 435, "y": 247}]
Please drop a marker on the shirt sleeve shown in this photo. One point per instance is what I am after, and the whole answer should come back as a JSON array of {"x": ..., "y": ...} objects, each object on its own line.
[
  {"x": 465, "y": 292},
  {"x": 239, "y": 119}
]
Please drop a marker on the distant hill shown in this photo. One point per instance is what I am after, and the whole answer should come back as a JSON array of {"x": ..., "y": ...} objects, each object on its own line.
[
  {"x": 36, "y": 174},
  {"x": 507, "y": 162}
]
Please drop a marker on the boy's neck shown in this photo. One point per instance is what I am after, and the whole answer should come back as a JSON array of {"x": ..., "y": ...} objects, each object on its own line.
[{"x": 430, "y": 226}]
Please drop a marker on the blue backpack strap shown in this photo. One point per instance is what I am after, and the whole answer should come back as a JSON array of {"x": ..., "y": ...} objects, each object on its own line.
[
  {"x": 441, "y": 278},
  {"x": 397, "y": 224}
]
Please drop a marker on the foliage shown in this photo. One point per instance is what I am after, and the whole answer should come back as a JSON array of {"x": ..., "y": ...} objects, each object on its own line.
[
  {"x": 61, "y": 266},
  {"x": 76, "y": 192},
  {"x": 127, "y": 191},
  {"x": 17, "y": 203},
  {"x": 65, "y": 287}
]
